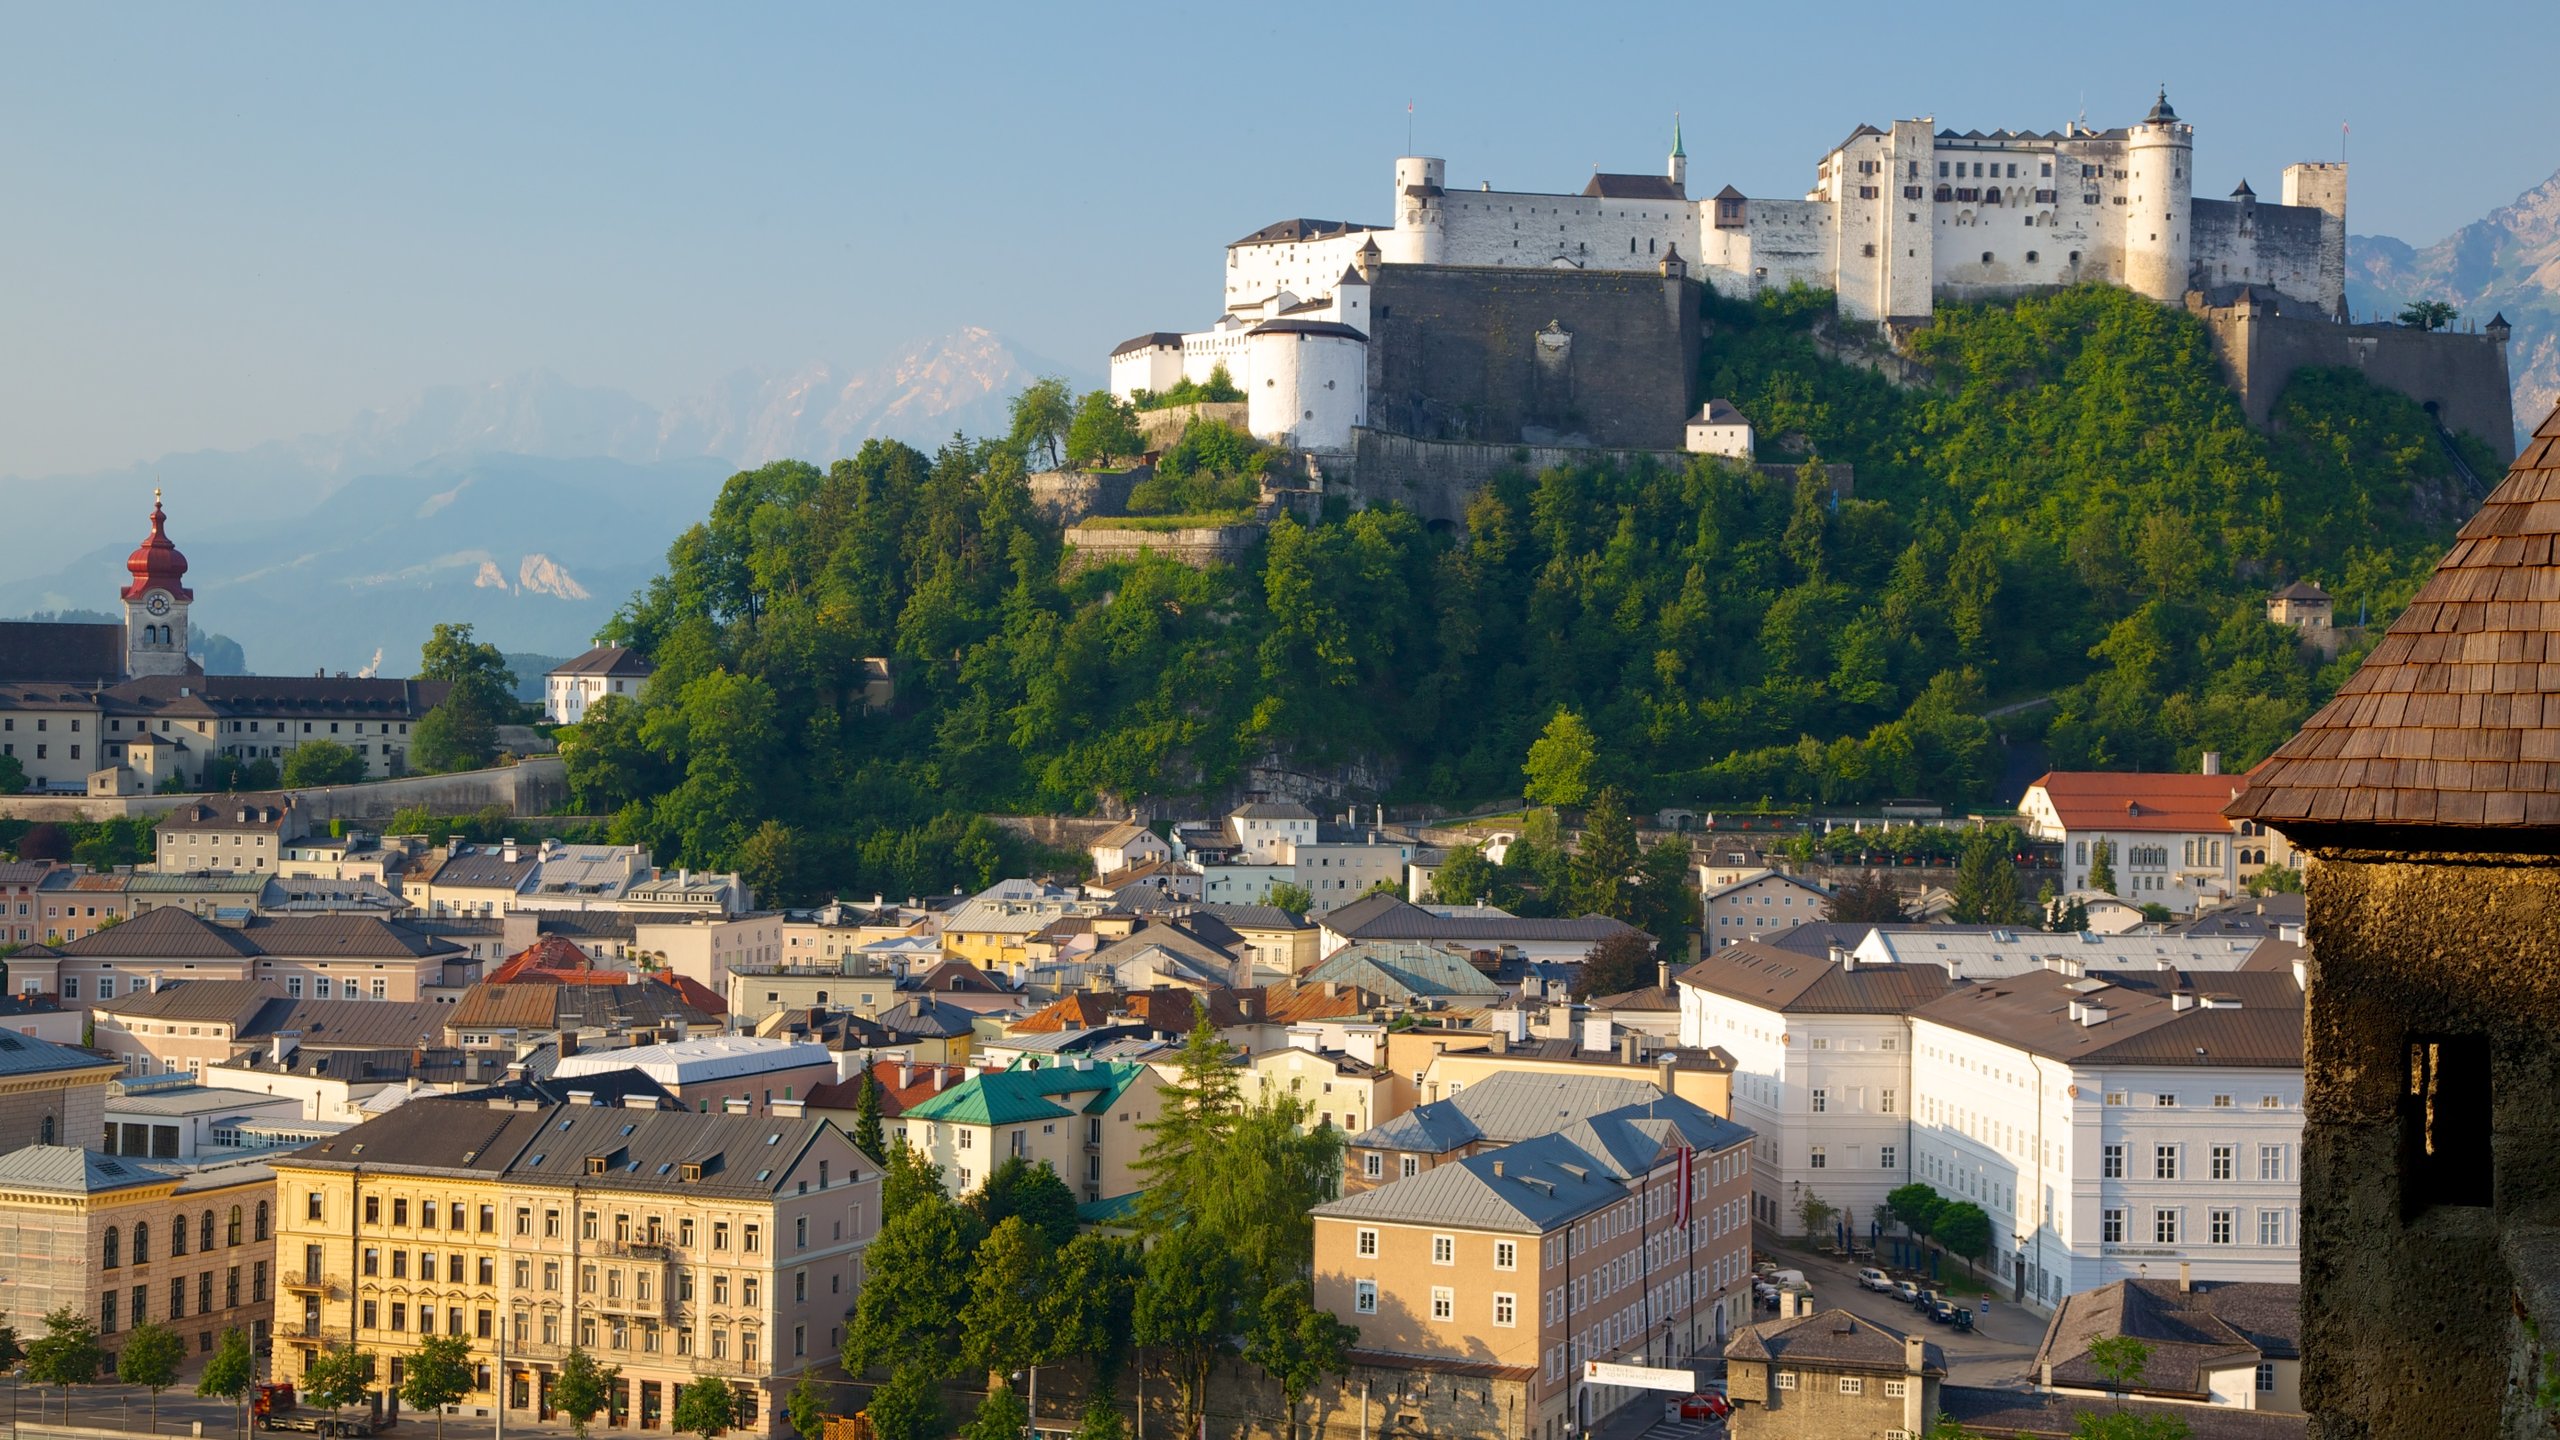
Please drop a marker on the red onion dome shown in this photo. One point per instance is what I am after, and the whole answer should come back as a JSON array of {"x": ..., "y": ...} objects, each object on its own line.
[{"x": 157, "y": 565}]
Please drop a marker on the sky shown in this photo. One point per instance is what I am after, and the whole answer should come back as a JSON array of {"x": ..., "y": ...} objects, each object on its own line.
[{"x": 221, "y": 225}]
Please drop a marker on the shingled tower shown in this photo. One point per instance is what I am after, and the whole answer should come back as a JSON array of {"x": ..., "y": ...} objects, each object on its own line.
[{"x": 2428, "y": 792}]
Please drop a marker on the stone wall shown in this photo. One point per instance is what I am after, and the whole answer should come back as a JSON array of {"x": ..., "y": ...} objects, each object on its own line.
[
  {"x": 2461, "y": 377},
  {"x": 1161, "y": 428},
  {"x": 536, "y": 785},
  {"x": 1508, "y": 356},
  {"x": 1201, "y": 545},
  {"x": 1063, "y": 497}
]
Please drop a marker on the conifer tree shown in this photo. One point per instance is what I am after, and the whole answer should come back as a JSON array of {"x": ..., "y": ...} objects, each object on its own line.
[{"x": 866, "y": 1117}]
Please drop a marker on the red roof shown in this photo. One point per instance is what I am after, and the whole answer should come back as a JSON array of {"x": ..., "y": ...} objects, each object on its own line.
[
  {"x": 846, "y": 1095},
  {"x": 156, "y": 564},
  {"x": 553, "y": 960},
  {"x": 2137, "y": 800}
]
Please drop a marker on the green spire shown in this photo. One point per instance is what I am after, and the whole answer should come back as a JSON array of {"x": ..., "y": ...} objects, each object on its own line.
[{"x": 1677, "y": 151}]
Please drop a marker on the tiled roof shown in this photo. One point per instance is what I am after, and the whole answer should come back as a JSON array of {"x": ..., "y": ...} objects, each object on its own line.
[
  {"x": 2301, "y": 590},
  {"x": 70, "y": 653},
  {"x": 2453, "y": 720},
  {"x": 1775, "y": 979},
  {"x": 1080, "y": 1011},
  {"x": 606, "y": 660},
  {"x": 1503, "y": 1108},
  {"x": 1300, "y": 1003},
  {"x": 229, "y": 1002},
  {"x": 2140, "y": 800},
  {"x": 1010, "y": 1097},
  {"x": 556, "y": 960},
  {"x": 1608, "y": 186},
  {"x": 1152, "y": 340},
  {"x": 2021, "y": 1415},
  {"x": 1833, "y": 1339},
  {"x": 2191, "y": 1332}
]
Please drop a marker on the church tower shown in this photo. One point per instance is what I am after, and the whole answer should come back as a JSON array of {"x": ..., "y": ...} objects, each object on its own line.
[
  {"x": 1679, "y": 170},
  {"x": 155, "y": 603}
]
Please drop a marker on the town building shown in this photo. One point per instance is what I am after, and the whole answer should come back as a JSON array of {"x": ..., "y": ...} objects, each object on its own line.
[
  {"x": 183, "y": 1026},
  {"x": 1757, "y": 903},
  {"x": 1085, "y": 1119},
  {"x": 171, "y": 1117},
  {"x": 670, "y": 1244},
  {"x": 2207, "y": 1342},
  {"x": 1984, "y": 952},
  {"x": 1127, "y": 844},
  {"x": 1339, "y": 1090},
  {"x": 1501, "y": 1109},
  {"x": 1622, "y": 1235},
  {"x": 123, "y": 1241},
  {"x": 50, "y": 1094},
  {"x": 1387, "y": 918},
  {"x": 2119, "y": 1126},
  {"x": 1720, "y": 429},
  {"x": 231, "y": 832},
  {"x": 1823, "y": 1373},
  {"x": 605, "y": 671},
  {"x": 728, "y": 1074},
  {"x": 2169, "y": 842},
  {"x": 320, "y": 956}
]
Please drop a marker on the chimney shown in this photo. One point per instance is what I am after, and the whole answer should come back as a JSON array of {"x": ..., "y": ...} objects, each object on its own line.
[
  {"x": 1662, "y": 972},
  {"x": 1628, "y": 1048},
  {"x": 1840, "y": 956},
  {"x": 906, "y": 1074},
  {"x": 1595, "y": 1032},
  {"x": 1501, "y": 1043},
  {"x": 507, "y": 849},
  {"x": 2212, "y": 762},
  {"x": 1915, "y": 1354},
  {"x": 568, "y": 1042},
  {"x": 2186, "y": 1279},
  {"x": 1497, "y": 1169},
  {"x": 941, "y": 1076}
]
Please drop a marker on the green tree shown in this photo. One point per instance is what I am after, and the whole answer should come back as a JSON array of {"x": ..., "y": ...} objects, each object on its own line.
[
  {"x": 1465, "y": 877},
  {"x": 151, "y": 1356},
  {"x": 339, "y": 1376},
  {"x": 1041, "y": 414},
  {"x": 1963, "y": 1228},
  {"x": 322, "y": 762},
  {"x": 1560, "y": 763},
  {"x": 1091, "y": 1299},
  {"x": 583, "y": 1388},
  {"x": 1001, "y": 1416},
  {"x": 770, "y": 862},
  {"x": 1104, "y": 428},
  {"x": 1986, "y": 890},
  {"x": 1915, "y": 1205},
  {"x": 437, "y": 1374},
  {"x": 908, "y": 1178},
  {"x": 916, "y": 1286},
  {"x": 1197, "y": 1114},
  {"x": 1187, "y": 1308},
  {"x": 66, "y": 1354},
  {"x": 1623, "y": 962},
  {"x": 1816, "y": 1213},
  {"x": 909, "y": 1406},
  {"x": 2428, "y": 314},
  {"x": 1297, "y": 1344},
  {"x": 1100, "y": 1419},
  {"x": 11, "y": 1352},
  {"x": 808, "y": 1407},
  {"x": 2102, "y": 867},
  {"x": 2276, "y": 880},
  {"x": 709, "y": 1408},
  {"x": 1290, "y": 897},
  {"x": 1017, "y": 1187},
  {"x": 13, "y": 775},
  {"x": 866, "y": 1117},
  {"x": 230, "y": 1373},
  {"x": 1002, "y": 1326},
  {"x": 1604, "y": 868},
  {"x": 1867, "y": 899},
  {"x": 2121, "y": 1361},
  {"x": 456, "y": 735},
  {"x": 461, "y": 733}
]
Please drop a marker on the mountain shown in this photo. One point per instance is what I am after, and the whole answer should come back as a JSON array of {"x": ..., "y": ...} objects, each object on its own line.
[
  {"x": 2507, "y": 262},
  {"x": 529, "y": 506}
]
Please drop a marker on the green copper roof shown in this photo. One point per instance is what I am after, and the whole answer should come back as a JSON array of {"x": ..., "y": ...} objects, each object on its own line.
[
  {"x": 1012, "y": 1097},
  {"x": 1677, "y": 152}
]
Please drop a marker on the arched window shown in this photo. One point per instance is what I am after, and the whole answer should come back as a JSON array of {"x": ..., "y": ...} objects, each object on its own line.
[
  {"x": 231, "y": 1234},
  {"x": 261, "y": 1232},
  {"x": 141, "y": 1242},
  {"x": 115, "y": 1242},
  {"x": 178, "y": 1237},
  {"x": 46, "y": 1135},
  {"x": 204, "y": 1232}
]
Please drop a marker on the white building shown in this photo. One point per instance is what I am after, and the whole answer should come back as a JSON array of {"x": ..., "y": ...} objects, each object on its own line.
[
  {"x": 1719, "y": 429},
  {"x": 1270, "y": 831},
  {"x": 1758, "y": 903},
  {"x": 2117, "y": 1128},
  {"x": 605, "y": 670},
  {"x": 1293, "y": 336},
  {"x": 2169, "y": 841},
  {"x": 1977, "y": 952}
]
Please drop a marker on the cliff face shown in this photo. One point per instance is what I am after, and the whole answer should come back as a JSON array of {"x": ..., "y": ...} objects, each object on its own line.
[{"x": 2507, "y": 262}]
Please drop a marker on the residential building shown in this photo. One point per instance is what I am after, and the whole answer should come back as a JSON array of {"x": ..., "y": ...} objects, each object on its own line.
[
  {"x": 1822, "y": 1070},
  {"x": 123, "y": 1241},
  {"x": 584, "y": 877},
  {"x": 184, "y": 1026},
  {"x": 702, "y": 946},
  {"x": 20, "y": 881},
  {"x": 733, "y": 1074},
  {"x": 2207, "y": 1342},
  {"x": 465, "y": 879},
  {"x": 1719, "y": 429},
  {"x": 1127, "y": 844},
  {"x": 1623, "y": 1235},
  {"x": 236, "y": 833},
  {"x": 43, "y": 1016},
  {"x": 2116, "y": 1127},
  {"x": 1269, "y": 831},
  {"x": 671, "y": 1244},
  {"x": 317, "y": 956},
  {"x": 1987, "y": 952},
  {"x": 1501, "y": 1109},
  {"x": 2169, "y": 840},
  {"x": 1385, "y": 918},
  {"x": 50, "y": 1094},
  {"x": 1758, "y": 904},
  {"x": 691, "y": 892},
  {"x": 1827, "y": 1373},
  {"x": 992, "y": 930},
  {"x": 606, "y": 670},
  {"x": 1085, "y": 1119},
  {"x": 1404, "y": 972},
  {"x": 1280, "y": 943},
  {"x": 1703, "y": 1077},
  {"x": 1339, "y": 1090}
]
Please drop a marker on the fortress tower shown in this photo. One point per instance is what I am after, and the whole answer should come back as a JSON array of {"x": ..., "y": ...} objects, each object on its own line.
[
  {"x": 2322, "y": 186},
  {"x": 1420, "y": 234},
  {"x": 1679, "y": 168},
  {"x": 2161, "y": 152},
  {"x": 155, "y": 603}
]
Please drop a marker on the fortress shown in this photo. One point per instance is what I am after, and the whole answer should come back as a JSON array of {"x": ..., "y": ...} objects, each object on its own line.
[{"x": 1516, "y": 317}]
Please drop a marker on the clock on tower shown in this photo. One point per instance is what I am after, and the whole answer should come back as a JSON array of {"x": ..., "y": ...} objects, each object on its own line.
[{"x": 155, "y": 603}]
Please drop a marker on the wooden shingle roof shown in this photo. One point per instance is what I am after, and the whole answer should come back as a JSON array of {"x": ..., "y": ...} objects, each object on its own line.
[{"x": 2453, "y": 722}]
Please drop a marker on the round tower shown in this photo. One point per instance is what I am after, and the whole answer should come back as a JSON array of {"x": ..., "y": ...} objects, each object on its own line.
[
  {"x": 2157, "y": 225},
  {"x": 155, "y": 602},
  {"x": 1421, "y": 230}
]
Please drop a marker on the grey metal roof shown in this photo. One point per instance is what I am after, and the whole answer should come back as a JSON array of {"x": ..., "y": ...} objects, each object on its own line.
[
  {"x": 74, "y": 1170},
  {"x": 1385, "y": 917},
  {"x": 1504, "y": 1108},
  {"x": 747, "y": 1155},
  {"x": 2230, "y": 1018},
  {"x": 1402, "y": 972},
  {"x": 27, "y": 1055}
]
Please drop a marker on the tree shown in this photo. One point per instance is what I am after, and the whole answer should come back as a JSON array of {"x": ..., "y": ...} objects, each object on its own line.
[
  {"x": 916, "y": 1287},
  {"x": 1291, "y": 897},
  {"x": 151, "y": 1356},
  {"x": 1041, "y": 415},
  {"x": 909, "y": 1407},
  {"x": 1560, "y": 763},
  {"x": 462, "y": 732},
  {"x": 2428, "y": 314},
  {"x": 1915, "y": 1205},
  {"x": 1091, "y": 1298},
  {"x": 1101, "y": 1418},
  {"x": 708, "y": 1407},
  {"x": 770, "y": 862},
  {"x": 808, "y": 1407},
  {"x": 1187, "y": 1308},
  {"x": 230, "y": 1373},
  {"x": 436, "y": 1375},
  {"x": 453, "y": 656},
  {"x": 1986, "y": 890},
  {"x": 866, "y": 1117},
  {"x": 1001, "y": 1326},
  {"x": 1867, "y": 899},
  {"x": 1198, "y": 1112},
  {"x": 1465, "y": 877},
  {"x": 1963, "y": 1228},
  {"x": 1603, "y": 867},
  {"x": 1625, "y": 961},
  {"x": 13, "y": 775},
  {"x": 322, "y": 762},
  {"x": 1297, "y": 1344},
  {"x": 1816, "y": 1213},
  {"x": 1001, "y": 1416},
  {"x": 2102, "y": 867},
  {"x": 2276, "y": 880},
  {"x": 66, "y": 1354},
  {"x": 45, "y": 840},
  {"x": 907, "y": 1179},
  {"x": 1017, "y": 1187},
  {"x": 1105, "y": 428},
  {"x": 339, "y": 1376},
  {"x": 582, "y": 1388},
  {"x": 2121, "y": 1360}
]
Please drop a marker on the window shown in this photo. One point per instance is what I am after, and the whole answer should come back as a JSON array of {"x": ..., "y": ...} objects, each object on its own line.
[
  {"x": 1506, "y": 1308},
  {"x": 2222, "y": 1162},
  {"x": 1896, "y": 1389},
  {"x": 2111, "y": 1163},
  {"x": 2270, "y": 1162},
  {"x": 1364, "y": 1297},
  {"x": 2270, "y": 1227},
  {"x": 1444, "y": 1250},
  {"x": 2164, "y": 1162},
  {"x": 1885, "y": 1102},
  {"x": 1821, "y": 1099},
  {"x": 1407, "y": 1167},
  {"x": 2112, "y": 1231},
  {"x": 2115, "y": 1097},
  {"x": 1373, "y": 1165},
  {"x": 1886, "y": 1156},
  {"x": 1821, "y": 1044},
  {"x": 1852, "y": 1385},
  {"x": 1786, "y": 1380},
  {"x": 2165, "y": 1102},
  {"x": 2221, "y": 1102},
  {"x": 1365, "y": 1243},
  {"x": 310, "y": 1207},
  {"x": 1818, "y": 1159},
  {"x": 2221, "y": 1226},
  {"x": 1444, "y": 1302},
  {"x": 2164, "y": 1227},
  {"x": 2266, "y": 1375}
]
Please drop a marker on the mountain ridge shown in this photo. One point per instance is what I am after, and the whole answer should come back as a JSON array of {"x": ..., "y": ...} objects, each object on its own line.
[{"x": 2507, "y": 262}]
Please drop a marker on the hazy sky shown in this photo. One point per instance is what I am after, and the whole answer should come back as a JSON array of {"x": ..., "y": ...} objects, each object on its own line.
[{"x": 221, "y": 224}]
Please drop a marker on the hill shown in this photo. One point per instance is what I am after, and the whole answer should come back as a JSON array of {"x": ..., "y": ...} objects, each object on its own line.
[
  {"x": 2507, "y": 262},
  {"x": 2073, "y": 506}
]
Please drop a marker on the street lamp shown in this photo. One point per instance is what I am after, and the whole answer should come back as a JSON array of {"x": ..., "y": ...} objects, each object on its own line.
[{"x": 1031, "y": 1400}]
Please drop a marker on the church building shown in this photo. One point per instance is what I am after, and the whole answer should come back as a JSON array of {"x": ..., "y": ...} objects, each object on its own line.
[{"x": 120, "y": 709}]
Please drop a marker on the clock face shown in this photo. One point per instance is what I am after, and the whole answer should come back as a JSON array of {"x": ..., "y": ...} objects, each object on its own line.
[{"x": 158, "y": 604}]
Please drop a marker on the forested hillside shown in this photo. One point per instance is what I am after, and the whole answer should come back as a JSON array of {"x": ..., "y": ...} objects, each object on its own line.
[{"x": 2075, "y": 508}]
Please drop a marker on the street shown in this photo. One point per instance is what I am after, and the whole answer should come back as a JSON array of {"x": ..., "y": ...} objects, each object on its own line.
[{"x": 1995, "y": 1354}]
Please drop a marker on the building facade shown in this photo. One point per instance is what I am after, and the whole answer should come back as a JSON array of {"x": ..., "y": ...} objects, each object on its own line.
[
  {"x": 605, "y": 671},
  {"x": 1085, "y": 1119},
  {"x": 2166, "y": 837}
]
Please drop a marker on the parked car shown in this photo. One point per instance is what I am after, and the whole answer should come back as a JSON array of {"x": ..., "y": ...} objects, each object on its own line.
[
  {"x": 1873, "y": 1279},
  {"x": 1945, "y": 1312},
  {"x": 1963, "y": 1319},
  {"x": 1764, "y": 1267},
  {"x": 1705, "y": 1406},
  {"x": 1906, "y": 1292},
  {"x": 1926, "y": 1300}
]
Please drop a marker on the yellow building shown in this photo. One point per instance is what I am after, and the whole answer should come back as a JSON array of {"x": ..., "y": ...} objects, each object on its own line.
[{"x": 672, "y": 1244}]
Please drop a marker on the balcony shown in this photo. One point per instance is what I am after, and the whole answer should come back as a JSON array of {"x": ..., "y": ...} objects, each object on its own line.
[
  {"x": 728, "y": 1369},
  {"x": 304, "y": 1282},
  {"x": 301, "y": 1332}
]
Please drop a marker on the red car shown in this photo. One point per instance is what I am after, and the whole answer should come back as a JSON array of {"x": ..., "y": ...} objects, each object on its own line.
[{"x": 1705, "y": 1407}]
